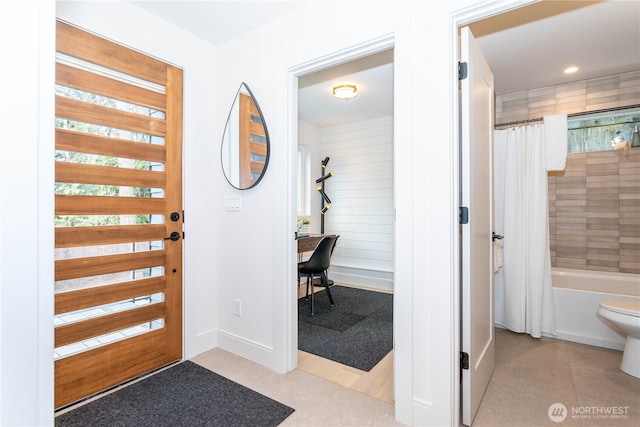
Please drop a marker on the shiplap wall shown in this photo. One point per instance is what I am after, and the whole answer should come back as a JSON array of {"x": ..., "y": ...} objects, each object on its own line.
[
  {"x": 594, "y": 204},
  {"x": 362, "y": 201}
]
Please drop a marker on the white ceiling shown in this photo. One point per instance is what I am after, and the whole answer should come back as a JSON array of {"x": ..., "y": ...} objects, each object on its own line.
[{"x": 526, "y": 48}]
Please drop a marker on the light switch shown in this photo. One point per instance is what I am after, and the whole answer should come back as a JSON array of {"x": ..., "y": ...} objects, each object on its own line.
[{"x": 234, "y": 203}]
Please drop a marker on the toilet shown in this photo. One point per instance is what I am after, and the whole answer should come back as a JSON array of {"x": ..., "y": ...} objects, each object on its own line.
[{"x": 624, "y": 315}]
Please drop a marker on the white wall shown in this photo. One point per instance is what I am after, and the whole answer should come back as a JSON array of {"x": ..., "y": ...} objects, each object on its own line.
[
  {"x": 362, "y": 194},
  {"x": 424, "y": 73},
  {"x": 250, "y": 254},
  {"x": 26, "y": 213}
]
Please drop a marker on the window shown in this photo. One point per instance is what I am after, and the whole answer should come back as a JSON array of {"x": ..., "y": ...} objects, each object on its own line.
[
  {"x": 304, "y": 179},
  {"x": 600, "y": 131}
]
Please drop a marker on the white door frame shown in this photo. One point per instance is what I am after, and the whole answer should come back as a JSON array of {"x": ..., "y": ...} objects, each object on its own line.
[
  {"x": 346, "y": 55},
  {"x": 460, "y": 19}
]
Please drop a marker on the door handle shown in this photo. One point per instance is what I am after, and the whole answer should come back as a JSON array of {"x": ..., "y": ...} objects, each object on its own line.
[
  {"x": 174, "y": 236},
  {"x": 495, "y": 236}
]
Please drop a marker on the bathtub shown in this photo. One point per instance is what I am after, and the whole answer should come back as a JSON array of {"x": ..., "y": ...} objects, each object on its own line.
[{"x": 577, "y": 294}]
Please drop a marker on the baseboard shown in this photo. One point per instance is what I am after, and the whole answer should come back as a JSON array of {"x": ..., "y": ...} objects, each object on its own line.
[
  {"x": 203, "y": 342},
  {"x": 251, "y": 350},
  {"x": 367, "y": 278},
  {"x": 589, "y": 340},
  {"x": 580, "y": 339}
]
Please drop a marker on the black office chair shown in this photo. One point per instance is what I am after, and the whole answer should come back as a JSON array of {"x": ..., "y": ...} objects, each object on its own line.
[{"x": 317, "y": 266}]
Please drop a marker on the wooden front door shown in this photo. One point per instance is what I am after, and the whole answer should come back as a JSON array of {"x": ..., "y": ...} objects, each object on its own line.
[{"x": 118, "y": 214}]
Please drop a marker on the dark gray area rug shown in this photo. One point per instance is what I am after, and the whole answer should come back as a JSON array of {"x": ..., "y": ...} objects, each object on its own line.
[
  {"x": 184, "y": 395},
  {"x": 357, "y": 331}
]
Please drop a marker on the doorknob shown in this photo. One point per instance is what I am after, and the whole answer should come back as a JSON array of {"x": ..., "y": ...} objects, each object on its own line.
[
  {"x": 174, "y": 236},
  {"x": 495, "y": 236}
]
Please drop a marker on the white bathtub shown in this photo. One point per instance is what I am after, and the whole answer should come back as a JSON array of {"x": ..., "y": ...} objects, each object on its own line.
[{"x": 577, "y": 294}]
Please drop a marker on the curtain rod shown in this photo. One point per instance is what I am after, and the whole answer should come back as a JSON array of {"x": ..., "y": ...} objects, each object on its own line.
[{"x": 583, "y": 113}]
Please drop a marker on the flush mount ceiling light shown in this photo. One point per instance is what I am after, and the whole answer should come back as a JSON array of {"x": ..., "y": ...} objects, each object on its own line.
[
  {"x": 345, "y": 91},
  {"x": 570, "y": 70}
]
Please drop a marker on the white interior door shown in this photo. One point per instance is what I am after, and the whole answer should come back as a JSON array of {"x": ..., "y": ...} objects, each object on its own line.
[{"x": 478, "y": 339}]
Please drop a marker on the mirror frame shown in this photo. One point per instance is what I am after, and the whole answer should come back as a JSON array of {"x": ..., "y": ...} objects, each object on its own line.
[{"x": 224, "y": 138}]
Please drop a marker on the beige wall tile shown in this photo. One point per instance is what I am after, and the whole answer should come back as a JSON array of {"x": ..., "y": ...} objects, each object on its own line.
[{"x": 594, "y": 204}]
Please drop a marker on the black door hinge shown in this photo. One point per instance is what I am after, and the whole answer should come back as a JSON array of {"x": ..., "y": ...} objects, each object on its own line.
[
  {"x": 462, "y": 70},
  {"x": 464, "y": 360},
  {"x": 464, "y": 215}
]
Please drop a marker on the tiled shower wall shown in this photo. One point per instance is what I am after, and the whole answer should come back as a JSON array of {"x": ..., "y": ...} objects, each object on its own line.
[
  {"x": 594, "y": 204},
  {"x": 620, "y": 90},
  {"x": 594, "y": 212}
]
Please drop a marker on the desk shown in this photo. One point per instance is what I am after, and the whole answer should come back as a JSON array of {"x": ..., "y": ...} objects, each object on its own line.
[{"x": 308, "y": 243}]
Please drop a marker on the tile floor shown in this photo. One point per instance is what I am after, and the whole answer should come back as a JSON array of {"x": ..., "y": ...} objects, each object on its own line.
[
  {"x": 530, "y": 376},
  {"x": 317, "y": 402}
]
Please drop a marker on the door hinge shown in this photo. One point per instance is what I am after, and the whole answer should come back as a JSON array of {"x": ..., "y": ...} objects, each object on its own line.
[
  {"x": 464, "y": 360},
  {"x": 462, "y": 70},
  {"x": 464, "y": 215}
]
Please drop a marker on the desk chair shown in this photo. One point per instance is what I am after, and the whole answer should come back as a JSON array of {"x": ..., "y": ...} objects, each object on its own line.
[{"x": 317, "y": 266}]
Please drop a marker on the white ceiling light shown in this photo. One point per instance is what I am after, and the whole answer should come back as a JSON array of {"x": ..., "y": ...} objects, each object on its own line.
[
  {"x": 345, "y": 91},
  {"x": 570, "y": 70}
]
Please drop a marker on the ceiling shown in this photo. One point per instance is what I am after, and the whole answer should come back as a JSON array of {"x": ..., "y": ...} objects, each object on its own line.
[{"x": 526, "y": 48}]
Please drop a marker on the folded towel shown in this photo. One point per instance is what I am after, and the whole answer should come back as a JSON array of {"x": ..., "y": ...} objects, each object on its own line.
[
  {"x": 497, "y": 256},
  {"x": 555, "y": 141}
]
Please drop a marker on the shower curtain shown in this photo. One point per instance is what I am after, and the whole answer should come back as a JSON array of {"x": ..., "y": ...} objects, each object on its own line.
[{"x": 530, "y": 152}]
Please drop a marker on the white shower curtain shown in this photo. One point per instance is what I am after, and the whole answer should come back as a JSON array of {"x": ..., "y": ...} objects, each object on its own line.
[{"x": 528, "y": 299}]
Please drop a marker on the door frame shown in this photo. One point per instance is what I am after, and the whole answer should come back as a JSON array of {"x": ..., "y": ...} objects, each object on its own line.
[
  {"x": 317, "y": 64},
  {"x": 460, "y": 19}
]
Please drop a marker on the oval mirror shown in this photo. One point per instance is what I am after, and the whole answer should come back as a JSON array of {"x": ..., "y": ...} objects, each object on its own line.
[{"x": 245, "y": 143}]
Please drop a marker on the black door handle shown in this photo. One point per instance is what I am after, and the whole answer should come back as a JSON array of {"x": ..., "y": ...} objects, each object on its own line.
[
  {"x": 174, "y": 236},
  {"x": 495, "y": 237}
]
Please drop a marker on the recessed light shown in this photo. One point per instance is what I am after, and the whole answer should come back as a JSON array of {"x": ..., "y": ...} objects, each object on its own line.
[{"x": 570, "y": 70}]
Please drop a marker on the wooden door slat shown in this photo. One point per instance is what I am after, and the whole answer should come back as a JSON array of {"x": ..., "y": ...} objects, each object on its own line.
[
  {"x": 97, "y": 326},
  {"x": 93, "y": 266},
  {"x": 72, "y": 109},
  {"x": 257, "y": 148},
  {"x": 80, "y": 375},
  {"x": 107, "y": 175},
  {"x": 69, "y": 237},
  {"x": 66, "y": 302},
  {"x": 102, "y": 205},
  {"x": 69, "y": 140},
  {"x": 100, "y": 85},
  {"x": 81, "y": 44},
  {"x": 257, "y": 167},
  {"x": 257, "y": 129}
]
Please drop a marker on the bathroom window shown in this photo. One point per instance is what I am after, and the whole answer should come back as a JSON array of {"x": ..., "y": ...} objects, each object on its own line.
[{"x": 602, "y": 132}]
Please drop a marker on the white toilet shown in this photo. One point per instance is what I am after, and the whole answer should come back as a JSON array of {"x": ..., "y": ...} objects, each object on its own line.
[{"x": 624, "y": 315}]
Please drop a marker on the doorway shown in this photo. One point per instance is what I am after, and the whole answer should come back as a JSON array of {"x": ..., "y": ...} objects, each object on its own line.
[
  {"x": 118, "y": 214},
  {"x": 494, "y": 19},
  {"x": 352, "y": 140}
]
